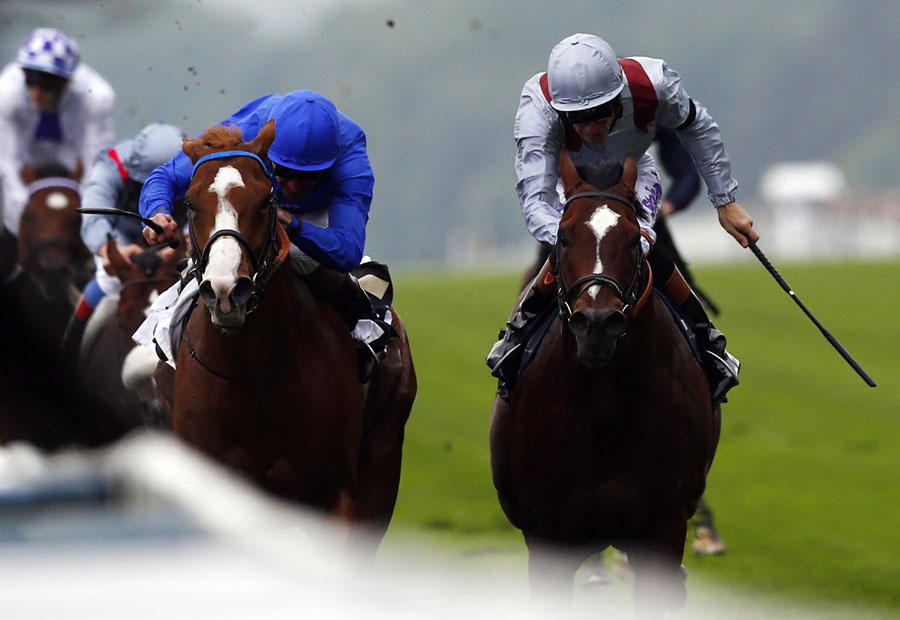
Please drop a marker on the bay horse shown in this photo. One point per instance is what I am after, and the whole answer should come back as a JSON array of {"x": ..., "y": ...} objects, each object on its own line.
[
  {"x": 110, "y": 364},
  {"x": 54, "y": 261},
  {"x": 266, "y": 373},
  {"x": 609, "y": 432}
]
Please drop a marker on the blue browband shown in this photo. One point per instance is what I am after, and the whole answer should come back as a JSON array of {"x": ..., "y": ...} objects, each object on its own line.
[{"x": 223, "y": 154}]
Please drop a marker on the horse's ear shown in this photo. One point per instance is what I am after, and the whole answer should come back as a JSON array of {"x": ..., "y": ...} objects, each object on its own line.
[
  {"x": 629, "y": 173},
  {"x": 193, "y": 149},
  {"x": 570, "y": 177},
  {"x": 28, "y": 174},
  {"x": 263, "y": 140},
  {"x": 78, "y": 172}
]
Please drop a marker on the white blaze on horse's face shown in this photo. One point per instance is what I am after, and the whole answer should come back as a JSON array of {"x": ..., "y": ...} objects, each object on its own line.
[
  {"x": 600, "y": 222},
  {"x": 225, "y": 253},
  {"x": 57, "y": 200}
]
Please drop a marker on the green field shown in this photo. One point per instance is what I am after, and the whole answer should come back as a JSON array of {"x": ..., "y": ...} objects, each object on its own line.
[{"x": 806, "y": 482}]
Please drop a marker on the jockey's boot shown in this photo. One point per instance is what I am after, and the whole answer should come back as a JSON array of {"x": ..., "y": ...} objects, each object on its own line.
[
  {"x": 505, "y": 357},
  {"x": 370, "y": 335},
  {"x": 720, "y": 366}
]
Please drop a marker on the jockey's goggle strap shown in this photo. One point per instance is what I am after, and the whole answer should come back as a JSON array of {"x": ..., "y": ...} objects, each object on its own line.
[{"x": 224, "y": 154}]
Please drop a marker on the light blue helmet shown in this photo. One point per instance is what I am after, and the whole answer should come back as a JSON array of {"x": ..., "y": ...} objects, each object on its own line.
[
  {"x": 51, "y": 51},
  {"x": 154, "y": 145},
  {"x": 583, "y": 72},
  {"x": 307, "y": 132}
]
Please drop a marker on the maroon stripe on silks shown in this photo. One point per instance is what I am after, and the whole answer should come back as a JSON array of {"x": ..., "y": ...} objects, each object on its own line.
[
  {"x": 643, "y": 95},
  {"x": 83, "y": 311},
  {"x": 115, "y": 157},
  {"x": 573, "y": 140}
]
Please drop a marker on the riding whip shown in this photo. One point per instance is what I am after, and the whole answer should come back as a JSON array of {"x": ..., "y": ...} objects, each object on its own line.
[
  {"x": 174, "y": 243},
  {"x": 837, "y": 345}
]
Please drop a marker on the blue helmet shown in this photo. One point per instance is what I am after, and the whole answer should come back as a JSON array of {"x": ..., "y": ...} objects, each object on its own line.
[
  {"x": 51, "y": 51},
  {"x": 307, "y": 132}
]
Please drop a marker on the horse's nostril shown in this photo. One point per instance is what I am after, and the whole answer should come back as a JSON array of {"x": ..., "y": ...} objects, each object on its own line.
[
  {"x": 580, "y": 322},
  {"x": 207, "y": 294},
  {"x": 242, "y": 290},
  {"x": 615, "y": 322}
]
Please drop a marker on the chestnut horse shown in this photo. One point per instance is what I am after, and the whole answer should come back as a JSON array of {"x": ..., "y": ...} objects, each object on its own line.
[
  {"x": 609, "y": 432},
  {"x": 266, "y": 373},
  {"x": 110, "y": 364},
  {"x": 55, "y": 262}
]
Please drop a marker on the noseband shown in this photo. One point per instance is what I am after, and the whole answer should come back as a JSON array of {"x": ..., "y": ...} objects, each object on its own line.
[
  {"x": 200, "y": 258},
  {"x": 628, "y": 297}
]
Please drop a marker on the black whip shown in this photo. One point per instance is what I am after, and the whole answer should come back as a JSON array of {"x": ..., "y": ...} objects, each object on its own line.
[
  {"x": 174, "y": 243},
  {"x": 837, "y": 345}
]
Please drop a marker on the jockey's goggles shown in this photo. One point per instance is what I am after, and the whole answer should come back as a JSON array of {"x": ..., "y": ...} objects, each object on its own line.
[
  {"x": 597, "y": 114},
  {"x": 44, "y": 81},
  {"x": 289, "y": 174}
]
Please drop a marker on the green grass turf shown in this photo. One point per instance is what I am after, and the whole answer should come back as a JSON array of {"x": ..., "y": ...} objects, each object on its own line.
[{"x": 806, "y": 483}]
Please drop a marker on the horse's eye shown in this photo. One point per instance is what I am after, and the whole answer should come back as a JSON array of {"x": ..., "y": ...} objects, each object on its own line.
[{"x": 563, "y": 239}]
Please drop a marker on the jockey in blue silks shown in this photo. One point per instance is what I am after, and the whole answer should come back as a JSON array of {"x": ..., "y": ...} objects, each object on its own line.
[{"x": 323, "y": 184}]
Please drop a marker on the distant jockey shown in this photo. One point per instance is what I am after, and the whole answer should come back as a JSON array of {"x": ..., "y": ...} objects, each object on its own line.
[
  {"x": 323, "y": 184},
  {"x": 53, "y": 111},
  {"x": 114, "y": 182},
  {"x": 599, "y": 108}
]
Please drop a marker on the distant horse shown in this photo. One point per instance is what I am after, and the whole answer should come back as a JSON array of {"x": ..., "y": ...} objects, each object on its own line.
[
  {"x": 55, "y": 262},
  {"x": 266, "y": 374},
  {"x": 110, "y": 365},
  {"x": 609, "y": 432}
]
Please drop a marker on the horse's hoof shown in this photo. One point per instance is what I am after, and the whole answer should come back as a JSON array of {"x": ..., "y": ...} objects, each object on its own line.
[{"x": 707, "y": 541}]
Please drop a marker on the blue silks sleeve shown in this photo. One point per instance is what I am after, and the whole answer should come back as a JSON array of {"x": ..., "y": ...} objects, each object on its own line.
[
  {"x": 170, "y": 181},
  {"x": 164, "y": 185},
  {"x": 340, "y": 245}
]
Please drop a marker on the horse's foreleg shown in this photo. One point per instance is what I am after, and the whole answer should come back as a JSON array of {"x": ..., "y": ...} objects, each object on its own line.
[
  {"x": 551, "y": 576},
  {"x": 659, "y": 577}
]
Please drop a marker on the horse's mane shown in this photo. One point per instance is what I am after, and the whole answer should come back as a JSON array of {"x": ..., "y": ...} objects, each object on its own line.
[
  {"x": 603, "y": 175},
  {"x": 222, "y": 137}
]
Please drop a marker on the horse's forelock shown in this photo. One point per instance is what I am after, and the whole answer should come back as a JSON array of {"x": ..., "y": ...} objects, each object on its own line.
[{"x": 222, "y": 137}]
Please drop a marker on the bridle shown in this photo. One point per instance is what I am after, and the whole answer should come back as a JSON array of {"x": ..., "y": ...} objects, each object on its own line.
[
  {"x": 261, "y": 272},
  {"x": 628, "y": 296}
]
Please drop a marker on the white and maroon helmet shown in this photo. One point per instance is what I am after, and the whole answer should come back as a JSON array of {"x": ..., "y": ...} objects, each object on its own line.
[{"x": 583, "y": 73}]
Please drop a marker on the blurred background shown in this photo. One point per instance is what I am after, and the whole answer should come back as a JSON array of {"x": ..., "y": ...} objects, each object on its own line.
[
  {"x": 805, "y": 484},
  {"x": 436, "y": 86}
]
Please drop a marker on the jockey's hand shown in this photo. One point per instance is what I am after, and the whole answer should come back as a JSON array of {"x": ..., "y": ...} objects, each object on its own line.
[
  {"x": 168, "y": 225},
  {"x": 737, "y": 223},
  {"x": 286, "y": 219}
]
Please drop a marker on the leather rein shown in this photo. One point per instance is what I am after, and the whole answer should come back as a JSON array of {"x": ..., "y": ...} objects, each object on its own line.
[{"x": 631, "y": 297}]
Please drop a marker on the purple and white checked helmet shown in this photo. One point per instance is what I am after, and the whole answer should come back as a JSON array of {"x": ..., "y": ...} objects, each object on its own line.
[{"x": 49, "y": 50}]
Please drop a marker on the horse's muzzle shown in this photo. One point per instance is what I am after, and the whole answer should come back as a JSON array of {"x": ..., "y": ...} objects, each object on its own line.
[
  {"x": 228, "y": 305},
  {"x": 597, "y": 334}
]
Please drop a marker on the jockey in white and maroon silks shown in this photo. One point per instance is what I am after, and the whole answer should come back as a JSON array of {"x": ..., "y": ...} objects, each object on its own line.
[{"x": 599, "y": 108}]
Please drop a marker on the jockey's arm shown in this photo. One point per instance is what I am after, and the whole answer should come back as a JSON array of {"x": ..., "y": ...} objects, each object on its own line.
[
  {"x": 14, "y": 192},
  {"x": 340, "y": 245},
  {"x": 701, "y": 137},
  {"x": 164, "y": 185},
  {"x": 101, "y": 190}
]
